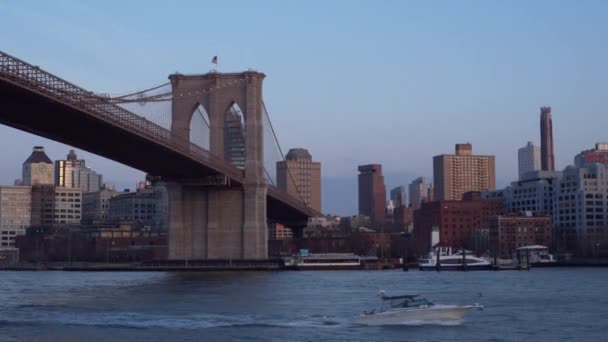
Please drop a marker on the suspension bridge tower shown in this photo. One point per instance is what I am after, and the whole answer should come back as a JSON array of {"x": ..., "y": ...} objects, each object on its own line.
[{"x": 208, "y": 220}]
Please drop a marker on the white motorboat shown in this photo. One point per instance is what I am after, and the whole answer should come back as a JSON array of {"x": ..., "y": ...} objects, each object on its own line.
[
  {"x": 408, "y": 309},
  {"x": 461, "y": 260}
]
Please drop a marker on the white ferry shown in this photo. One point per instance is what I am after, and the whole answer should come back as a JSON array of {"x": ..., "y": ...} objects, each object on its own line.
[
  {"x": 453, "y": 261},
  {"x": 323, "y": 261}
]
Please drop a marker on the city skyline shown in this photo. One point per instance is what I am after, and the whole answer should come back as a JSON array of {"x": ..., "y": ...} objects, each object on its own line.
[
  {"x": 218, "y": 170},
  {"x": 468, "y": 82}
]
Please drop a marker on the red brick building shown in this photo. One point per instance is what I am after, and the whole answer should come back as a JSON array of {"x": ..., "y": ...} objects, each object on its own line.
[
  {"x": 92, "y": 244},
  {"x": 456, "y": 221},
  {"x": 403, "y": 217},
  {"x": 507, "y": 233}
]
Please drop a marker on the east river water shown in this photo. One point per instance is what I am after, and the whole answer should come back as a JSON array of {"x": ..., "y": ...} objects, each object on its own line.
[{"x": 561, "y": 304}]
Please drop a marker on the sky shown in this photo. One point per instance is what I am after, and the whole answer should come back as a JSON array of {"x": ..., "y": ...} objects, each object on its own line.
[{"x": 354, "y": 82}]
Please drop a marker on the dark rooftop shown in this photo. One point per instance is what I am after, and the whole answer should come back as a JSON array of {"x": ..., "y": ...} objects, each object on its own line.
[
  {"x": 38, "y": 156},
  {"x": 298, "y": 153}
]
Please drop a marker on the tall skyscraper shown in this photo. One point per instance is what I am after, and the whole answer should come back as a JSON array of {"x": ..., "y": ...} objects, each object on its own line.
[
  {"x": 372, "y": 193},
  {"x": 234, "y": 139},
  {"x": 73, "y": 173},
  {"x": 547, "y": 159},
  {"x": 418, "y": 192},
  {"x": 456, "y": 174},
  {"x": 398, "y": 196},
  {"x": 299, "y": 176},
  {"x": 38, "y": 168},
  {"x": 528, "y": 159}
]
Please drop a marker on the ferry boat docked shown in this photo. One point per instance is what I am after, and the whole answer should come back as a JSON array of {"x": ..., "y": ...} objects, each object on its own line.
[
  {"x": 323, "y": 261},
  {"x": 534, "y": 255},
  {"x": 408, "y": 309},
  {"x": 453, "y": 261}
]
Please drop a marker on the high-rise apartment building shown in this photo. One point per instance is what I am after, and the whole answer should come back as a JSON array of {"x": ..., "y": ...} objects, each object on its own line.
[
  {"x": 580, "y": 208},
  {"x": 547, "y": 159},
  {"x": 234, "y": 139},
  {"x": 532, "y": 194},
  {"x": 597, "y": 155},
  {"x": 528, "y": 159},
  {"x": 372, "y": 193},
  {"x": 418, "y": 192},
  {"x": 73, "y": 173},
  {"x": 15, "y": 212},
  {"x": 299, "y": 176},
  {"x": 37, "y": 168},
  {"x": 398, "y": 196},
  {"x": 462, "y": 172}
]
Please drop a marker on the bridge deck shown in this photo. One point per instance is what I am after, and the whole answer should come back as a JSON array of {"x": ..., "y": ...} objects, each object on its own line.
[{"x": 43, "y": 104}]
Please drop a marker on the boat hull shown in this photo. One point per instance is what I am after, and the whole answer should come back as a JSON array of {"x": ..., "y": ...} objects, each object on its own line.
[
  {"x": 456, "y": 268},
  {"x": 326, "y": 267},
  {"x": 437, "y": 313}
]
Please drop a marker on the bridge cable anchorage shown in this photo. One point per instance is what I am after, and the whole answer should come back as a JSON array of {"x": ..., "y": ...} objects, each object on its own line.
[{"x": 282, "y": 155}]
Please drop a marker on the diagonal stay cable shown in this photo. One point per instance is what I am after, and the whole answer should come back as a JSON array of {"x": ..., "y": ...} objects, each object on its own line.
[
  {"x": 141, "y": 91},
  {"x": 282, "y": 155},
  {"x": 202, "y": 116}
]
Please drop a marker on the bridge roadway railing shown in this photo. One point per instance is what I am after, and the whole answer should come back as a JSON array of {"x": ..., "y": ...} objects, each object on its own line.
[
  {"x": 34, "y": 79},
  {"x": 291, "y": 200},
  {"x": 37, "y": 80}
]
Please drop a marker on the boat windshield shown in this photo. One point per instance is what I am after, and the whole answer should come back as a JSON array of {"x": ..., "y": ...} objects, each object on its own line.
[{"x": 411, "y": 302}]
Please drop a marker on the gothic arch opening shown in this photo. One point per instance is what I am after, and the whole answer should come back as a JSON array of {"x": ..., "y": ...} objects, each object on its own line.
[{"x": 199, "y": 128}]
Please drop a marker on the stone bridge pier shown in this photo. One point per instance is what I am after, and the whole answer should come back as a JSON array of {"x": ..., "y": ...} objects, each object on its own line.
[
  {"x": 216, "y": 223},
  {"x": 219, "y": 221}
]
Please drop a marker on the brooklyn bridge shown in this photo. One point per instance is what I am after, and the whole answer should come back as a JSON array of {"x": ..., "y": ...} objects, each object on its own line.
[{"x": 220, "y": 195}]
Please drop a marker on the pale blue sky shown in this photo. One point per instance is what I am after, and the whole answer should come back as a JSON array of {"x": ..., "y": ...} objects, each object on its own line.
[{"x": 393, "y": 82}]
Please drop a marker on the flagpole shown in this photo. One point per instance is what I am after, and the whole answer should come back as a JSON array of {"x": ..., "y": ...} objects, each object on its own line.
[{"x": 214, "y": 61}]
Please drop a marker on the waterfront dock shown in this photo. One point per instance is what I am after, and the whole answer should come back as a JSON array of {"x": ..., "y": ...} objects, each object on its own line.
[
  {"x": 156, "y": 266},
  {"x": 510, "y": 267}
]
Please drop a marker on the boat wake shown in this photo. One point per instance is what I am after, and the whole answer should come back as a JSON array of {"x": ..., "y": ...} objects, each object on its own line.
[
  {"x": 428, "y": 322},
  {"x": 128, "y": 320}
]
